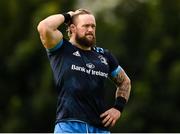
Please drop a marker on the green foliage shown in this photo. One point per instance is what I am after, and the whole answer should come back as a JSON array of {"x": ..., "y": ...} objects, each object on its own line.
[{"x": 144, "y": 35}]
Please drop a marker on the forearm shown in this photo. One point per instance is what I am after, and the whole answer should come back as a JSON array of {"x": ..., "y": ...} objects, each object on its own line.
[
  {"x": 122, "y": 95},
  {"x": 123, "y": 84},
  {"x": 53, "y": 21},
  {"x": 123, "y": 89}
]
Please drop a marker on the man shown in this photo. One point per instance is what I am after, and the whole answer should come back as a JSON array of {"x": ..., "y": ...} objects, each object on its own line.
[{"x": 80, "y": 70}]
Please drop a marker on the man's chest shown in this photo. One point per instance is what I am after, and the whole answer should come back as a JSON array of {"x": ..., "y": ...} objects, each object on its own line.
[{"x": 90, "y": 63}]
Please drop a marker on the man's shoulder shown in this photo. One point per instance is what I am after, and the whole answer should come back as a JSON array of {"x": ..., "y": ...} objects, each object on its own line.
[{"x": 66, "y": 41}]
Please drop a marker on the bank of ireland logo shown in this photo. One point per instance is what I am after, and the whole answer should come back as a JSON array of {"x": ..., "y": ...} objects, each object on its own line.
[
  {"x": 103, "y": 60},
  {"x": 90, "y": 65}
]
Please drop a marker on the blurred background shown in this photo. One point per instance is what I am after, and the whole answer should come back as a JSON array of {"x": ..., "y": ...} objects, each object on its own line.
[{"x": 143, "y": 34}]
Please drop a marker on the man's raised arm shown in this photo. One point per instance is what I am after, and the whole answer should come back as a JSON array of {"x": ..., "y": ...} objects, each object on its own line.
[{"x": 48, "y": 30}]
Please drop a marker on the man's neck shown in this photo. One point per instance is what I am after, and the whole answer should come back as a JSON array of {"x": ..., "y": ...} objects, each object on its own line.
[{"x": 83, "y": 47}]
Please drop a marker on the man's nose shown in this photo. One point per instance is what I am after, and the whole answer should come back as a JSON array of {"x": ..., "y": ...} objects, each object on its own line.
[{"x": 90, "y": 29}]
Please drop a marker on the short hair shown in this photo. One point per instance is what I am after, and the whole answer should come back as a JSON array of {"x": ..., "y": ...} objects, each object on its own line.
[{"x": 72, "y": 21}]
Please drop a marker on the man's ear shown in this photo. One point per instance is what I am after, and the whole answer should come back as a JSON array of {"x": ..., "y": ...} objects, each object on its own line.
[{"x": 72, "y": 28}]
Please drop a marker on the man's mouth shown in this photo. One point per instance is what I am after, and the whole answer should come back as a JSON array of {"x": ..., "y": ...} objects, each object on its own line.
[{"x": 90, "y": 35}]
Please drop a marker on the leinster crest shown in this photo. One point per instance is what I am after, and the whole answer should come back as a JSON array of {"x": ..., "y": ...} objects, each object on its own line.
[{"x": 103, "y": 59}]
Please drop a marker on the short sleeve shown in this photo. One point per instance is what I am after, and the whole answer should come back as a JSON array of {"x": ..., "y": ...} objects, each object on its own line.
[
  {"x": 114, "y": 67},
  {"x": 59, "y": 48},
  {"x": 56, "y": 47}
]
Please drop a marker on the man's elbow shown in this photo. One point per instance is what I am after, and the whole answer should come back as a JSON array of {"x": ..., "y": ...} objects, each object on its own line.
[{"x": 41, "y": 27}]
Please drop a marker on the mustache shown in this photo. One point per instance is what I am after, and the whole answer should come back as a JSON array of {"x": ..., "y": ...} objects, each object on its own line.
[{"x": 90, "y": 34}]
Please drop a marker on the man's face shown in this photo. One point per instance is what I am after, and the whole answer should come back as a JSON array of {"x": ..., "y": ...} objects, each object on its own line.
[{"x": 85, "y": 30}]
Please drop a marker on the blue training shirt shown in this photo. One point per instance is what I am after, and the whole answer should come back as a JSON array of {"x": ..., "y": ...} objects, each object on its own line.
[{"x": 79, "y": 77}]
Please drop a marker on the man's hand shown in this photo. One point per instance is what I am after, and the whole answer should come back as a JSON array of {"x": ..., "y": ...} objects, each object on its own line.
[
  {"x": 110, "y": 117},
  {"x": 72, "y": 13}
]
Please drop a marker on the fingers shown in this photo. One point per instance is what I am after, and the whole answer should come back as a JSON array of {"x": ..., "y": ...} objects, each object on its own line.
[
  {"x": 108, "y": 122},
  {"x": 80, "y": 10},
  {"x": 113, "y": 123},
  {"x": 104, "y": 114},
  {"x": 107, "y": 118},
  {"x": 110, "y": 117},
  {"x": 70, "y": 13},
  {"x": 77, "y": 11}
]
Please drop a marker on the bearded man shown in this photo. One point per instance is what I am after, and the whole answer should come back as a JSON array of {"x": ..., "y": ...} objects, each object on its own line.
[{"x": 80, "y": 70}]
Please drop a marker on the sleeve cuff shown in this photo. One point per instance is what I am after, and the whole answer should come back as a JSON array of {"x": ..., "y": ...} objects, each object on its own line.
[
  {"x": 116, "y": 71},
  {"x": 56, "y": 47}
]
